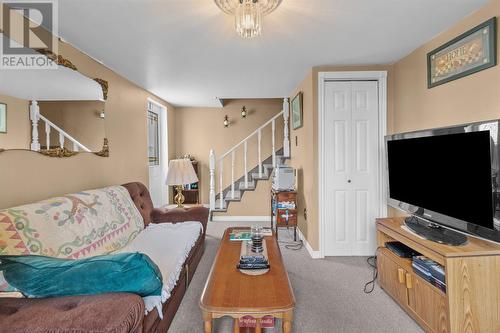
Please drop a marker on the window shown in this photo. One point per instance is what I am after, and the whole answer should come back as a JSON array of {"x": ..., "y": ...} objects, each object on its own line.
[{"x": 153, "y": 138}]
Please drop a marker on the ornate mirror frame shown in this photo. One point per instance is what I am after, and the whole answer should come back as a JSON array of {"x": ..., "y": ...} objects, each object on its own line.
[{"x": 65, "y": 152}]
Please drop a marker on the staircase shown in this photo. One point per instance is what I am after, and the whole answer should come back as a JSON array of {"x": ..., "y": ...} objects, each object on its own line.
[
  {"x": 35, "y": 117},
  {"x": 221, "y": 198}
]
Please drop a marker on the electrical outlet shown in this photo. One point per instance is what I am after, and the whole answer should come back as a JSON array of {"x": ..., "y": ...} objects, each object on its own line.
[
  {"x": 305, "y": 214},
  {"x": 296, "y": 141}
]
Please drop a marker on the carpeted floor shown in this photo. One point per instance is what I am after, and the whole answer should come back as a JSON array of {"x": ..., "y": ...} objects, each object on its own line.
[{"x": 329, "y": 295}]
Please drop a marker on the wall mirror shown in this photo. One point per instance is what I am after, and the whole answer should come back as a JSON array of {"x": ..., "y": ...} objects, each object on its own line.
[{"x": 56, "y": 112}]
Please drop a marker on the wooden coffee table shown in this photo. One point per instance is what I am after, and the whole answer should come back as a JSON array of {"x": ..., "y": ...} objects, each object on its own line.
[{"x": 228, "y": 292}]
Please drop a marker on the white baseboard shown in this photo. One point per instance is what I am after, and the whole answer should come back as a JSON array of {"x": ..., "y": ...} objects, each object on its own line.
[
  {"x": 313, "y": 253},
  {"x": 241, "y": 219}
]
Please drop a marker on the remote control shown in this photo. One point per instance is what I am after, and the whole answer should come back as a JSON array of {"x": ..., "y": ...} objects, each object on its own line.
[
  {"x": 253, "y": 257},
  {"x": 252, "y": 266}
]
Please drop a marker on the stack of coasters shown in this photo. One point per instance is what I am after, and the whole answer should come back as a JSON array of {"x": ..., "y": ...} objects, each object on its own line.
[
  {"x": 253, "y": 262},
  {"x": 430, "y": 271}
]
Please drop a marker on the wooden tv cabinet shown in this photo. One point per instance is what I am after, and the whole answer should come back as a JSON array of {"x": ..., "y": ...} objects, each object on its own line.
[{"x": 472, "y": 299}]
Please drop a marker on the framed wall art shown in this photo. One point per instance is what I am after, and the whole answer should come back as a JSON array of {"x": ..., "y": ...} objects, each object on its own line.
[
  {"x": 3, "y": 118},
  {"x": 297, "y": 111},
  {"x": 471, "y": 52}
]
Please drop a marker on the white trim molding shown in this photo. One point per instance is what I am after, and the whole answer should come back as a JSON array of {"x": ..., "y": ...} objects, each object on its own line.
[
  {"x": 313, "y": 253},
  {"x": 241, "y": 218},
  {"x": 381, "y": 78}
]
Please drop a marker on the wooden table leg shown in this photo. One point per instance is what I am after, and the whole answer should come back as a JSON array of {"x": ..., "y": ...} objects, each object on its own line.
[
  {"x": 236, "y": 325},
  {"x": 207, "y": 319},
  {"x": 258, "y": 328},
  {"x": 208, "y": 326},
  {"x": 287, "y": 322}
]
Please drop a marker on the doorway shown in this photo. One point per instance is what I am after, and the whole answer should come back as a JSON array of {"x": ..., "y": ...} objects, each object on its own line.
[
  {"x": 351, "y": 164},
  {"x": 157, "y": 152}
]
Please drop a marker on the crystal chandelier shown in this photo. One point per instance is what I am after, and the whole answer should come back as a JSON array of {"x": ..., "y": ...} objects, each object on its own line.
[{"x": 248, "y": 14}]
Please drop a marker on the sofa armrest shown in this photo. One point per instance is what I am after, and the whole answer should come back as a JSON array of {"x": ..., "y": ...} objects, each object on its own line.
[{"x": 177, "y": 215}]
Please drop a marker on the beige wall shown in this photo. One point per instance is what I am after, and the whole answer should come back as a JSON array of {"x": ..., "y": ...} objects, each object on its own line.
[
  {"x": 469, "y": 99},
  {"x": 303, "y": 159},
  {"x": 27, "y": 176},
  {"x": 305, "y": 154},
  {"x": 472, "y": 98},
  {"x": 18, "y": 134},
  {"x": 198, "y": 130},
  {"x": 411, "y": 106}
]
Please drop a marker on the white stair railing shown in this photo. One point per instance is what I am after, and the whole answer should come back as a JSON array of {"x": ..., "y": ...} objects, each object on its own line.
[
  {"x": 212, "y": 180},
  {"x": 62, "y": 135},
  {"x": 258, "y": 132}
]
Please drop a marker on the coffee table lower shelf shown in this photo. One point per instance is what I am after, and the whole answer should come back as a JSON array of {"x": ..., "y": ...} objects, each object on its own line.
[{"x": 286, "y": 319}]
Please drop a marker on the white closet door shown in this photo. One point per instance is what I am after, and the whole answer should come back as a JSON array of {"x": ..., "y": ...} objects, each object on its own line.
[{"x": 351, "y": 164}]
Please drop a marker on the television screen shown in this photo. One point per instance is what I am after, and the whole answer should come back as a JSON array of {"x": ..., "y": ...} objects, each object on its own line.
[{"x": 447, "y": 174}]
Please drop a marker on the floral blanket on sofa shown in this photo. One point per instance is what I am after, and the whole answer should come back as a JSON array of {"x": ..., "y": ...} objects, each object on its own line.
[{"x": 73, "y": 226}]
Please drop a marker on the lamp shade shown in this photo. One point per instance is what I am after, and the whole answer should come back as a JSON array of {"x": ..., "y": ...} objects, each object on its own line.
[{"x": 181, "y": 172}]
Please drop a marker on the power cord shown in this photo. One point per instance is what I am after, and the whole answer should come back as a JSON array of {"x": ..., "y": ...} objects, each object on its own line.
[
  {"x": 295, "y": 245},
  {"x": 372, "y": 261}
]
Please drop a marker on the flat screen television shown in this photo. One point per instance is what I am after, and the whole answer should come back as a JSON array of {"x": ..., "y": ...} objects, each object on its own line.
[{"x": 448, "y": 180}]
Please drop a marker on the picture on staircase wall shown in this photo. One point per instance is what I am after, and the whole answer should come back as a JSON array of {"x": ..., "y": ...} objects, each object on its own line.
[
  {"x": 3, "y": 118},
  {"x": 297, "y": 111}
]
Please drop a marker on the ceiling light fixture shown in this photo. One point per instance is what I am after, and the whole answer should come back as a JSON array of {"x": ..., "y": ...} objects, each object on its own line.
[{"x": 248, "y": 14}]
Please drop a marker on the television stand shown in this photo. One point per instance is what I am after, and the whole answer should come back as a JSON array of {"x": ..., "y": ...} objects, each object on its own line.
[
  {"x": 434, "y": 232},
  {"x": 471, "y": 300}
]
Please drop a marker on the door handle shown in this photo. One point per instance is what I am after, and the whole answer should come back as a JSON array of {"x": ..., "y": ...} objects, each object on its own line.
[
  {"x": 401, "y": 275},
  {"x": 409, "y": 283}
]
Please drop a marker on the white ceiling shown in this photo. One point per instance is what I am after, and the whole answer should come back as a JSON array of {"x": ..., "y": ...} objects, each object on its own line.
[{"x": 187, "y": 52}]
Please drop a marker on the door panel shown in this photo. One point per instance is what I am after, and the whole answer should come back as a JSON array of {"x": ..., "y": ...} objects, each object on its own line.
[
  {"x": 338, "y": 163},
  {"x": 341, "y": 216},
  {"x": 351, "y": 164},
  {"x": 157, "y": 153},
  {"x": 390, "y": 278},
  {"x": 429, "y": 304},
  {"x": 340, "y": 144},
  {"x": 362, "y": 215},
  {"x": 361, "y": 136}
]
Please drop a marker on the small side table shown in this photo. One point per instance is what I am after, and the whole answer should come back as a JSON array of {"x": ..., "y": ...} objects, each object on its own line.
[{"x": 284, "y": 211}]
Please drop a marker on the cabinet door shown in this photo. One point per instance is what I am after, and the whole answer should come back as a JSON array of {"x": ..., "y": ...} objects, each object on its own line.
[
  {"x": 392, "y": 278},
  {"x": 428, "y": 303}
]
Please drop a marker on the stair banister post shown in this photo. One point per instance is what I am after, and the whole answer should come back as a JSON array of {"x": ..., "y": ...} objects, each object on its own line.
[
  {"x": 212, "y": 179},
  {"x": 259, "y": 140},
  {"x": 286, "y": 139},
  {"x": 61, "y": 140},
  {"x": 35, "y": 117},
  {"x": 246, "y": 167},
  {"x": 47, "y": 135},
  {"x": 221, "y": 189},
  {"x": 273, "y": 126},
  {"x": 232, "y": 174}
]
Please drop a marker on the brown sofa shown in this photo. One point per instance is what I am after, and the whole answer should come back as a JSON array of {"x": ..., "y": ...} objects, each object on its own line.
[{"x": 114, "y": 313}]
